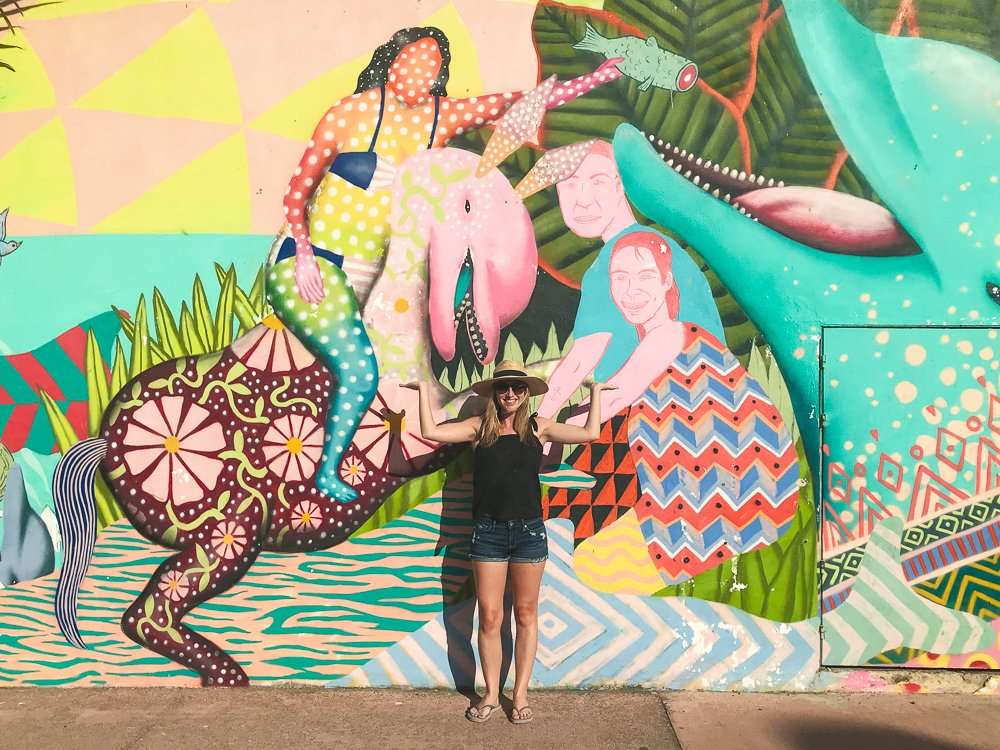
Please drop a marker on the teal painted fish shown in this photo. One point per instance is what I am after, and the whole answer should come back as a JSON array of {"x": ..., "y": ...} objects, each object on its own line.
[{"x": 643, "y": 60}]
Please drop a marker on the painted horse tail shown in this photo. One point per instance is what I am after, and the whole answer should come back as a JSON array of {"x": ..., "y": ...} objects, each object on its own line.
[{"x": 76, "y": 511}]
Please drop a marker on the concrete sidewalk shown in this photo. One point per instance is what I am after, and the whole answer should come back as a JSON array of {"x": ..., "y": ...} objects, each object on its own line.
[{"x": 291, "y": 718}]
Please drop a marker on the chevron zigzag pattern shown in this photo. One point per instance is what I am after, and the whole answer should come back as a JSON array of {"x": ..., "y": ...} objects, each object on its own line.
[
  {"x": 589, "y": 638},
  {"x": 717, "y": 468},
  {"x": 939, "y": 553},
  {"x": 616, "y": 560},
  {"x": 840, "y": 567},
  {"x": 883, "y": 612},
  {"x": 973, "y": 588}
]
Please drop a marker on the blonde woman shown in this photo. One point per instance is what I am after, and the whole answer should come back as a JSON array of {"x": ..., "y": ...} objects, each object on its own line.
[{"x": 508, "y": 532}]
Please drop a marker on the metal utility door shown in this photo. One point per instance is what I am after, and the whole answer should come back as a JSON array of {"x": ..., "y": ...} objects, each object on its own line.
[{"x": 910, "y": 427}]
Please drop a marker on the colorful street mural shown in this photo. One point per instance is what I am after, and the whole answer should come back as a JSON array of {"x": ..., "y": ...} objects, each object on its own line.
[{"x": 228, "y": 238}]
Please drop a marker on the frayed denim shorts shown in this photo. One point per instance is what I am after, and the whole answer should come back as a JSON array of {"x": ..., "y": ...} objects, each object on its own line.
[{"x": 517, "y": 541}]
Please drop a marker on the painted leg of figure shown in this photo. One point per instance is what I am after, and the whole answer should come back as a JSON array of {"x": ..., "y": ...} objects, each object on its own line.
[
  {"x": 334, "y": 333},
  {"x": 180, "y": 584}
]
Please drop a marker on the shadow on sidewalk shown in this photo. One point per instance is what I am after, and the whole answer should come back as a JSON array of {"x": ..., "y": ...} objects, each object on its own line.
[
  {"x": 812, "y": 734},
  {"x": 460, "y": 608}
]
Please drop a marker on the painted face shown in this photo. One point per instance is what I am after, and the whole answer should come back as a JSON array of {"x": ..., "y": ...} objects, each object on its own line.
[
  {"x": 510, "y": 394},
  {"x": 414, "y": 70},
  {"x": 637, "y": 287},
  {"x": 591, "y": 198}
]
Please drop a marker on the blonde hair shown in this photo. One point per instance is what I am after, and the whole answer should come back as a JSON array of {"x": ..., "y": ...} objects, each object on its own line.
[{"x": 489, "y": 428}]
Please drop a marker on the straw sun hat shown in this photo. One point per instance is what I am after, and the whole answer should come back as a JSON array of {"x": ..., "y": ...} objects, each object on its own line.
[{"x": 508, "y": 369}]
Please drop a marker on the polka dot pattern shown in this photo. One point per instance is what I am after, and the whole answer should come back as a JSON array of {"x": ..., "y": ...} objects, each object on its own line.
[
  {"x": 326, "y": 211},
  {"x": 334, "y": 333},
  {"x": 554, "y": 166}
]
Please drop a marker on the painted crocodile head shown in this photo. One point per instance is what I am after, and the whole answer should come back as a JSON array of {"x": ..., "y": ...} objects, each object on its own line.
[{"x": 921, "y": 119}]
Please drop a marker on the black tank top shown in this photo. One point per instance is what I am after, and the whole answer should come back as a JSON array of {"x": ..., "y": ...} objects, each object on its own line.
[{"x": 505, "y": 477}]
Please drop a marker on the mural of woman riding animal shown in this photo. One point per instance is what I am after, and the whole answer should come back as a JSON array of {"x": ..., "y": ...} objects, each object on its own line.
[
  {"x": 677, "y": 200},
  {"x": 226, "y": 455}
]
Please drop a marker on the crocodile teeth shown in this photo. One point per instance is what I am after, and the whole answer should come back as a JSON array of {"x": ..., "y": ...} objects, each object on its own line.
[
  {"x": 697, "y": 179},
  {"x": 698, "y": 161},
  {"x": 716, "y": 167},
  {"x": 691, "y": 156},
  {"x": 684, "y": 152},
  {"x": 780, "y": 183},
  {"x": 706, "y": 187},
  {"x": 670, "y": 162},
  {"x": 659, "y": 141},
  {"x": 725, "y": 170},
  {"x": 716, "y": 192},
  {"x": 760, "y": 180},
  {"x": 753, "y": 177},
  {"x": 770, "y": 182},
  {"x": 726, "y": 199},
  {"x": 742, "y": 175},
  {"x": 651, "y": 136},
  {"x": 678, "y": 168},
  {"x": 687, "y": 175}
]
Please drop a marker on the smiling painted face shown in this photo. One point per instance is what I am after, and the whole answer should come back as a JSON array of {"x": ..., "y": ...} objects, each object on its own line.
[
  {"x": 414, "y": 70},
  {"x": 593, "y": 197},
  {"x": 638, "y": 287}
]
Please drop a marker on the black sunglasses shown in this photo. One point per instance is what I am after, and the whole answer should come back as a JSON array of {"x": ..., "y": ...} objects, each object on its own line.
[{"x": 517, "y": 388}]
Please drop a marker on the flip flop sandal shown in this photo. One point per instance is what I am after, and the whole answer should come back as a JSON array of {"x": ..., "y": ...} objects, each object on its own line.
[
  {"x": 473, "y": 713},
  {"x": 520, "y": 712}
]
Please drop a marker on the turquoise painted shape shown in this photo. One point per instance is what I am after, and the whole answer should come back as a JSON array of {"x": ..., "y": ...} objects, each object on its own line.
[
  {"x": 921, "y": 120},
  {"x": 66, "y": 279}
]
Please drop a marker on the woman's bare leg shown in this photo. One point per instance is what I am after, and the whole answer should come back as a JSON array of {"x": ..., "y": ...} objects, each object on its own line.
[
  {"x": 491, "y": 580},
  {"x": 526, "y": 580}
]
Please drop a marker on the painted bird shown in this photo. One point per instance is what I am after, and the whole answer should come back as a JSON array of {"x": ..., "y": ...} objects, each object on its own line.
[
  {"x": 643, "y": 60},
  {"x": 6, "y": 248}
]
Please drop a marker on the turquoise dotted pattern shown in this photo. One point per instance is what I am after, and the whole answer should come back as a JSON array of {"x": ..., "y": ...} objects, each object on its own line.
[{"x": 334, "y": 333}]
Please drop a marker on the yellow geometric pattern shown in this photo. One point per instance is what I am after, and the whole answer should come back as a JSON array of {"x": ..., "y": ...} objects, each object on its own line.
[
  {"x": 616, "y": 560},
  {"x": 182, "y": 80},
  {"x": 211, "y": 194},
  {"x": 85, "y": 7},
  {"x": 36, "y": 176},
  {"x": 185, "y": 74},
  {"x": 29, "y": 87},
  {"x": 296, "y": 116}
]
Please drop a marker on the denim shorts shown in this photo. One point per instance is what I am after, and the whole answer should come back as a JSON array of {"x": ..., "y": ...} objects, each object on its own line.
[{"x": 517, "y": 541}]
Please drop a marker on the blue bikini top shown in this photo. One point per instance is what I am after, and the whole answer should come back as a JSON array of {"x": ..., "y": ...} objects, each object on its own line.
[{"x": 358, "y": 167}]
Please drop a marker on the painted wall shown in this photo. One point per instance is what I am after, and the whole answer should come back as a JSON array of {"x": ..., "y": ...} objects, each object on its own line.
[{"x": 773, "y": 226}]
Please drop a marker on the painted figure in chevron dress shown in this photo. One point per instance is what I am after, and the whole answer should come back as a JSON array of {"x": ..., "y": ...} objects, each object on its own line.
[{"x": 717, "y": 469}]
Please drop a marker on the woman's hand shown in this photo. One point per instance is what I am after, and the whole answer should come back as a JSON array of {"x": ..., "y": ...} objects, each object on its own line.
[
  {"x": 596, "y": 388},
  {"x": 308, "y": 278}
]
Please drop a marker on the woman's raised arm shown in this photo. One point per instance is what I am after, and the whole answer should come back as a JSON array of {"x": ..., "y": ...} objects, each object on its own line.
[
  {"x": 464, "y": 431},
  {"x": 460, "y": 115},
  {"x": 551, "y": 431}
]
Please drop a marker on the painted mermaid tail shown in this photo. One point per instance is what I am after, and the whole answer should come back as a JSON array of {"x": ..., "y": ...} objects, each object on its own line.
[
  {"x": 334, "y": 333},
  {"x": 883, "y": 612}
]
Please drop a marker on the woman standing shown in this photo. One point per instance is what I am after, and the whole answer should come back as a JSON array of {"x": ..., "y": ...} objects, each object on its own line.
[{"x": 508, "y": 532}]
